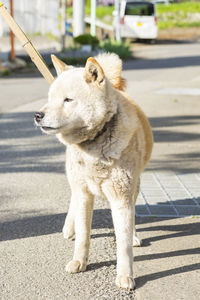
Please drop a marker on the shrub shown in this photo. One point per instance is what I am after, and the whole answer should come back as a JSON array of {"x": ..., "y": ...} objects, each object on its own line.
[
  {"x": 87, "y": 39},
  {"x": 74, "y": 60},
  {"x": 5, "y": 73}
]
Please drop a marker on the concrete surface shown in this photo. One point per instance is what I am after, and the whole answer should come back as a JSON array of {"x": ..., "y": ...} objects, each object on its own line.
[
  {"x": 41, "y": 43},
  {"x": 19, "y": 91},
  {"x": 35, "y": 193}
]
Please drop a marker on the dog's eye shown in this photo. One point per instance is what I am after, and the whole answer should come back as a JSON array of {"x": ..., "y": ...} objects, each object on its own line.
[{"x": 68, "y": 100}]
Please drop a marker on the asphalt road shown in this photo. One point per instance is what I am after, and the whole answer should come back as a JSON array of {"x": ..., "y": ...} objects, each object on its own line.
[
  {"x": 35, "y": 193},
  {"x": 160, "y": 65}
]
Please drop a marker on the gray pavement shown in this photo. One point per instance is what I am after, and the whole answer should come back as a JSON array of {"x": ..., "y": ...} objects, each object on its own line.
[
  {"x": 21, "y": 90},
  {"x": 35, "y": 193}
]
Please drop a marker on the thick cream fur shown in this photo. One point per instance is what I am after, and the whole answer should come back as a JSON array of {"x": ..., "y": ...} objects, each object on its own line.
[
  {"x": 109, "y": 142},
  {"x": 112, "y": 66}
]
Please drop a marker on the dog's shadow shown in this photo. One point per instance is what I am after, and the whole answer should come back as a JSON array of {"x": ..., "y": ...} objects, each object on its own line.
[
  {"x": 49, "y": 224},
  {"x": 95, "y": 266}
]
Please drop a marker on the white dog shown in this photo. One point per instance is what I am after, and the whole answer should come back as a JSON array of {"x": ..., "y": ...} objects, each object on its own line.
[{"x": 109, "y": 141}]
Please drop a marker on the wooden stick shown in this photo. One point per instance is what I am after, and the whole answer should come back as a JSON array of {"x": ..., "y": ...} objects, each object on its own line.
[
  {"x": 12, "y": 36},
  {"x": 26, "y": 43}
]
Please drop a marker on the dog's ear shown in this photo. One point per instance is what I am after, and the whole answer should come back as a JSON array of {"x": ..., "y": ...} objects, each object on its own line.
[
  {"x": 59, "y": 65},
  {"x": 94, "y": 72}
]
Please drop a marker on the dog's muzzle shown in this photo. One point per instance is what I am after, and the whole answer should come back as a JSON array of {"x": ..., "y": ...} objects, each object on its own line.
[{"x": 38, "y": 117}]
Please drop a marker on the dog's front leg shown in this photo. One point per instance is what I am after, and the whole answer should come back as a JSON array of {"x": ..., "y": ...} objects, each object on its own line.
[
  {"x": 123, "y": 223},
  {"x": 68, "y": 228},
  {"x": 83, "y": 219}
]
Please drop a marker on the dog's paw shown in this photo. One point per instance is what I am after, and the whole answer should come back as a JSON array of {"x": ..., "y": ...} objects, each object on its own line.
[
  {"x": 136, "y": 241},
  {"x": 75, "y": 266},
  {"x": 125, "y": 282},
  {"x": 68, "y": 231}
]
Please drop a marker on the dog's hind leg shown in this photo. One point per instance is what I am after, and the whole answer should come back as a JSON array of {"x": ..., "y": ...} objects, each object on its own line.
[
  {"x": 83, "y": 219},
  {"x": 136, "y": 240},
  {"x": 68, "y": 228}
]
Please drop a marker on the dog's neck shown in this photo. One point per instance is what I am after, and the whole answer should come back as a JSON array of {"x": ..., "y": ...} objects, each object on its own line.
[
  {"x": 96, "y": 146},
  {"x": 106, "y": 127},
  {"x": 109, "y": 124}
]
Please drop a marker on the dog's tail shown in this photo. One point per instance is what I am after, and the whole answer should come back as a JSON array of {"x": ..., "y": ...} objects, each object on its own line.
[{"x": 112, "y": 66}]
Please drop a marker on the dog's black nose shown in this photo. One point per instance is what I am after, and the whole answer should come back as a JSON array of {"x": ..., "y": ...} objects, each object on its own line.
[{"x": 39, "y": 116}]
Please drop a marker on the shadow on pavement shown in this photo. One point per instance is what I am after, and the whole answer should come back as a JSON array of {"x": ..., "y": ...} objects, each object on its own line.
[
  {"x": 167, "y": 254},
  {"x": 173, "y": 121},
  {"x": 176, "y": 130},
  {"x": 179, "y": 163},
  {"x": 163, "y": 135},
  {"x": 25, "y": 149},
  {"x": 177, "y": 231},
  {"x": 48, "y": 224},
  {"x": 30, "y": 227},
  {"x": 31, "y": 155},
  {"x": 101, "y": 264},
  {"x": 162, "y": 63},
  {"x": 18, "y": 125},
  {"x": 140, "y": 281}
]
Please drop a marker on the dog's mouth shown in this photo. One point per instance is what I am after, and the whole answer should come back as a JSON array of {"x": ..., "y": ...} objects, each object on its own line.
[{"x": 50, "y": 129}]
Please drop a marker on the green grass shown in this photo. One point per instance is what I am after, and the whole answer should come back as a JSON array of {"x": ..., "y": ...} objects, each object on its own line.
[
  {"x": 173, "y": 24},
  {"x": 101, "y": 11},
  {"x": 179, "y": 8},
  {"x": 178, "y": 15}
]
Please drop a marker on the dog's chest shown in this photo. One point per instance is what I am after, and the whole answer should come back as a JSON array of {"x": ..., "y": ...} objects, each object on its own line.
[
  {"x": 89, "y": 169},
  {"x": 93, "y": 169},
  {"x": 94, "y": 174}
]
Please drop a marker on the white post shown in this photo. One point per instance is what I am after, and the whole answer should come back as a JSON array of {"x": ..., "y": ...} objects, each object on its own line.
[
  {"x": 78, "y": 17},
  {"x": 117, "y": 20},
  {"x": 93, "y": 18}
]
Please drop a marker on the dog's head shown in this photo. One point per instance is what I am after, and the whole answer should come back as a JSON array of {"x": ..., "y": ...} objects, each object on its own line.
[{"x": 78, "y": 102}]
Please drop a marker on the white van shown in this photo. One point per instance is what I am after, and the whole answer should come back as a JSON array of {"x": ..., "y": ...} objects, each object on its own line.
[{"x": 138, "y": 20}]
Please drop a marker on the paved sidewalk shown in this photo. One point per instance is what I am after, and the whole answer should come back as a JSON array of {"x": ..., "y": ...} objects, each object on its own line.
[{"x": 168, "y": 194}]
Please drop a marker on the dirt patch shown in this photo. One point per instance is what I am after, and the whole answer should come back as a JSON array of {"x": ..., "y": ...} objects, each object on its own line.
[{"x": 192, "y": 34}]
